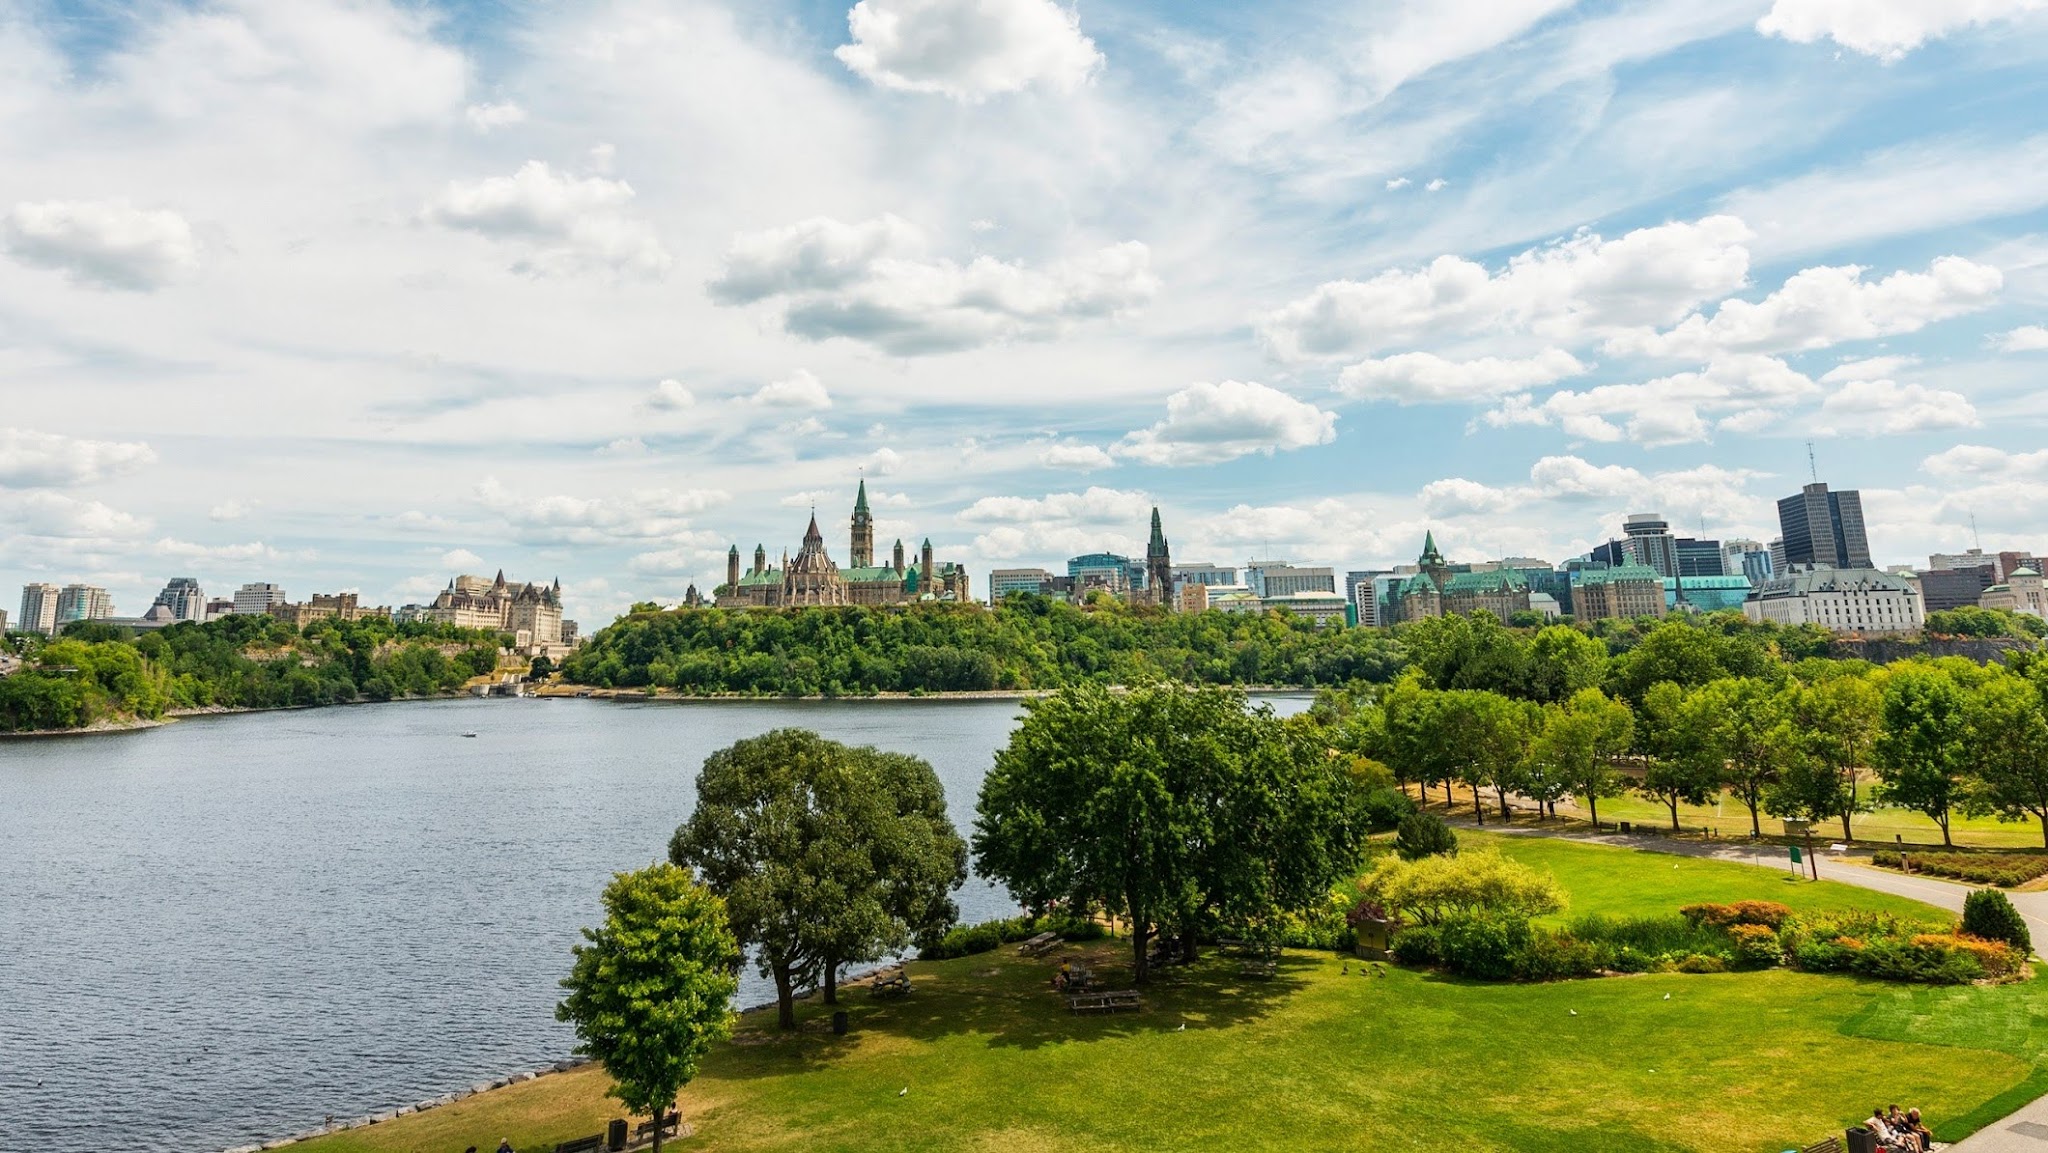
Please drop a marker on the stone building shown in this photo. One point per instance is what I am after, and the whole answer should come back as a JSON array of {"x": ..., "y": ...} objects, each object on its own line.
[
  {"x": 2021, "y": 591},
  {"x": 811, "y": 579},
  {"x": 1617, "y": 591},
  {"x": 1846, "y": 600},
  {"x": 532, "y": 613},
  {"x": 325, "y": 606}
]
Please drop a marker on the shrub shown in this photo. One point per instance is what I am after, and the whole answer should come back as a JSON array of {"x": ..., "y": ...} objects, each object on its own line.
[
  {"x": 1887, "y": 859},
  {"x": 1484, "y": 946},
  {"x": 963, "y": 941},
  {"x": 1770, "y": 914},
  {"x": 1996, "y": 958},
  {"x": 2008, "y": 869},
  {"x": 1387, "y": 808},
  {"x": 1702, "y": 963},
  {"x": 1425, "y": 835},
  {"x": 1483, "y": 883},
  {"x": 1756, "y": 946},
  {"x": 1652, "y": 937},
  {"x": 1924, "y": 963},
  {"x": 1418, "y": 945},
  {"x": 1556, "y": 956},
  {"x": 1988, "y": 914},
  {"x": 1824, "y": 956}
]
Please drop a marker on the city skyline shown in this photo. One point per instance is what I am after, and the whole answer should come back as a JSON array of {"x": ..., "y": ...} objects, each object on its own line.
[{"x": 600, "y": 291}]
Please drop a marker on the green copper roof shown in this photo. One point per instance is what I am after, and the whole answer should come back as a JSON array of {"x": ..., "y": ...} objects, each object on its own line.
[
  {"x": 1619, "y": 573},
  {"x": 771, "y": 576},
  {"x": 868, "y": 573},
  {"x": 860, "y": 502},
  {"x": 1484, "y": 582},
  {"x": 1418, "y": 583}
]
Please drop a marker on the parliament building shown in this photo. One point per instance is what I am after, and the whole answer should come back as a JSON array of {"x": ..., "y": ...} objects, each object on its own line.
[{"x": 811, "y": 578}]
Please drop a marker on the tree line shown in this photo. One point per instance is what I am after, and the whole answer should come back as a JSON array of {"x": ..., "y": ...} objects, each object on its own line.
[
  {"x": 94, "y": 672},
  {"x": 1687, "y": 712}
]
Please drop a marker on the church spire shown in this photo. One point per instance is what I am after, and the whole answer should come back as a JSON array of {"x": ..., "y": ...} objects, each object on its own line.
[
  {"x": 860, "y": 500},
  {"x": 861, "y": 550}
]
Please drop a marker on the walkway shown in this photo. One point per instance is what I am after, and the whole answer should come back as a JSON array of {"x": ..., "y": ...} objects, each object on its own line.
[{"x": 2023, "y": 1132}]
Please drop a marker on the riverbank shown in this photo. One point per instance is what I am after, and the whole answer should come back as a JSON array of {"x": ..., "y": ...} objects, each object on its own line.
[
  {"x": 668, "y": 696},
  {"x": 97, "y": 728}
]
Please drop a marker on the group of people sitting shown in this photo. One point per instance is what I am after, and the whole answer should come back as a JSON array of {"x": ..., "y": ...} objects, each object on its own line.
[{"x": 1900, "y": 1132}]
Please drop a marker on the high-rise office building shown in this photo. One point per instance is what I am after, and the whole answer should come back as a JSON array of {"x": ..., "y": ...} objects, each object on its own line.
[
  {"x": 83, "y": 603},
  {"x": 181, "y": 600},
  {"x": 1699, "y": 558},
  {"x": 1746, "y": 558},
  {"x": 1277, "y": 578},
  {"x": 1824, "y": 528},
  {"x": 1647, "y": 541},
  {"x": 256, "y": 599},
  {"x": 38, "y": 609}
]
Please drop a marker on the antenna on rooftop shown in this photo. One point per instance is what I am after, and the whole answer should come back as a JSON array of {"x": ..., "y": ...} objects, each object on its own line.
[{"x": 1812, "y": 466}]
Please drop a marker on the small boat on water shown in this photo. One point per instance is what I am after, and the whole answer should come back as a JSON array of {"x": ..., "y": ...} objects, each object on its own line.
[{"x": 469, "y": 734}]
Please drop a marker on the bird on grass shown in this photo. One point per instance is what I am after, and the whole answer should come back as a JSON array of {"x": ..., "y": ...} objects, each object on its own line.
[
  {"x": 1573, "y": 1012},
  {"x": 1183, "y": 1027},
  {"x": 1667, "y": 996},
  {"x": 902, "y": 1091}
]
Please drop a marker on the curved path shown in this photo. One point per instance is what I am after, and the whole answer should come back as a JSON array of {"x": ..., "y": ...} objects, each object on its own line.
[{"x": 2025, "y": 1131}]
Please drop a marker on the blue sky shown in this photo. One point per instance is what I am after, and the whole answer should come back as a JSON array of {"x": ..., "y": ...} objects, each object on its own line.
[{"x": 360, "y": 295}]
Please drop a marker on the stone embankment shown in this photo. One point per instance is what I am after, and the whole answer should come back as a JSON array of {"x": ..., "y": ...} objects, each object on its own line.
[{"x": 417, "y": 1107}]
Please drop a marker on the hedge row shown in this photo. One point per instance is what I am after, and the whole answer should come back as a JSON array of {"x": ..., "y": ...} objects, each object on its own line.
[{"x": 2009, "y": 870}]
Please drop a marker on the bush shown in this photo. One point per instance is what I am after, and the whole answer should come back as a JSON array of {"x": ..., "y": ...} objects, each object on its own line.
[
  {"x": 1769, "y": 914},
  {"x": 1485, "y": 947},
  {"x": 967, "y": 940},
  {"x": 1649, "y": 937},
  {"x": 1831, "y": 956},
  {"x": 1557, "y": 956},
  {"x": 1425, "y": 835},
  {"x": 1886, "y": 859},
  {"x": 1702, "y": 963},
  {"x": 2008, "y": 869},
  {"x": 1997, "y": 959},
  {"x": 1756, "y": 946},
  {"x": 1386, "y": 809},
  {"x": 1418, "y": 945},
  {"x": 963, "y": 941},
  {"x": 1928, "y": 964},
  {"x": 1988, "y": 915}
]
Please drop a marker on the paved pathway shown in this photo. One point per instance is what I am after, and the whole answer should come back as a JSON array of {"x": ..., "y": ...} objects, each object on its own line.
[{"x": 2025, "y": 1131}]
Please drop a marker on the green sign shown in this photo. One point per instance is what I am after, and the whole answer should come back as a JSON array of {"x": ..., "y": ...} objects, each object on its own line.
[{"x": 1795, "y": 854}]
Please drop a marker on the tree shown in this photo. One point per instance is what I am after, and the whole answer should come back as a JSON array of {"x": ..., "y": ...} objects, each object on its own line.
[
  {"x": 1467, "y": 651},
  {"x": 1410, "y": 738},
  {"x": 1747, "y": 731},
  {"x": 1684, "y": 766},
  {"x": 1487, "y": 737},
  {"x": 2006, "y": 721},
  {"x": 823, "y": 854},
  {"x": 1836, "y": 720},
  {"x": 1923, "y": 748},
  {"x": 1988, "y": 914},
  {"x": 1425, "y": 835},
  {"x": 1578, "y": 744},
  {"x": 1564, "y": 662},
  {"x": 649, "y": 992},
  {"x": 1168, "y": 806}
]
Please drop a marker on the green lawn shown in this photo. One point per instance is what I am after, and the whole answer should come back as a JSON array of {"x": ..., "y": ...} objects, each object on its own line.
[
  {"x": 1324, "y": 1058},
  {"x": 1886, "y": 826}
]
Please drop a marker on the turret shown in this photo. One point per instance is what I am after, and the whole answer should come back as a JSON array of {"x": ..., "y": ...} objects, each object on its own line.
[
  {"x": 732, "y": 569},
  {"x": 862, "y": 552},
  {"x": 924, "y": 565},
  {"x": 1158, "y": 564},
  {"x": 899, "y": 566},
  {"x": 760, "y": 559}
]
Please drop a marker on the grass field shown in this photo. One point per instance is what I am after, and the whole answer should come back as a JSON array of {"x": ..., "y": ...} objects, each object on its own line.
[{"x": 1319, "y": 1057}]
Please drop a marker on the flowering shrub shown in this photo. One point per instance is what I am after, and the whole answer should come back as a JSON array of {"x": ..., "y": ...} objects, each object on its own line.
[
  {"x": 1756, "y": 946},
  {"x": 1769, "y": 914}
]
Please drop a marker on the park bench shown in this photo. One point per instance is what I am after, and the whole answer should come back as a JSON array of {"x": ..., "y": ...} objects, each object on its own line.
[
  {"x": 1831, "y": 1145},
  {"x": 669, "y": 1126},
  {"x": 1042, "y": 943},
  {"x": 1108, "y": 1002},
  {"x": 893, "y": 985},
  {"x": 590, "y": 1144}
]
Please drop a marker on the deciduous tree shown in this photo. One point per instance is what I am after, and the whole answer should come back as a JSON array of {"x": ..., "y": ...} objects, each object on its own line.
[{"x": 1923, "y": 749}]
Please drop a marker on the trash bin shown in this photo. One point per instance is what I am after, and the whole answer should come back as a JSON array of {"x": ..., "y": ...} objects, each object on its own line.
[
  {"x": 1861, "y": 1140},
  {"x": 1624, "y": 826},
  {"x": 615, "y": 1135},
  {"x": 839, "y": 1022}
]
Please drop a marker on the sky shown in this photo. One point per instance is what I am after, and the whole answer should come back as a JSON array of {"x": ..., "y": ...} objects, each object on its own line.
[{"x": 360, "y": 295}]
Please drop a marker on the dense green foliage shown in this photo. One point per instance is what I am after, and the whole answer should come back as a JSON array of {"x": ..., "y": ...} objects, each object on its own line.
[
  {"x": 1030, "y": 642},
  {"x": 1988, "y": 913},
  {"x": 2008, "y": 869},
  {"x": 824, "y": 854},
  {"x": 650, "y": 989},
  {"x": 1972, "y": 621},
  {"x": 94, "y": 675},
  {"x": 1173, "y": 808}
]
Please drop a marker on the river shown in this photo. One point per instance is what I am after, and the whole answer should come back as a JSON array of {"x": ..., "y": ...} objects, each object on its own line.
[{"x": 228, "y": 929}]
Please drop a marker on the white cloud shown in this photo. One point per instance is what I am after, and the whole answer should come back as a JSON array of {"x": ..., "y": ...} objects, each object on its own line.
[
  {"x": 1868, "y": 368},
  {"x": 799, "y": 390},
  {"x": 1820, "y": 307},
  {"x": 484, "y": 117},
  {"x": 968, "y": 49},
  {"x": 1455, "y": 496},
  {"x": 624, "y": 446},
  {"x": 461, "y": 560},
  {"x": 231, "y": 510},
  {"x": 1097, "y": 506},
  {"x": 1074, "y": 456},
  {"x": 237, "y": 553},
  {"x": 1437, "y": 185},
  {"x": 1583, "y": 284},
  {"x": 30, "y": 459},
  {"x": 885, "y": 462},
  {"x": 1977, "y": 460},
  {"x": 2030, "y": 338},
  {"x": 1211, "y": 423},
  {"x": 670, "y": 395},
  {"x": 1886, "y": 29},
  {"x": 52, "y": 514},
  {"x": 1398, "y": 183},
  {"x": 1426, "y": 378},
  {"x": 102, "y": 243},
  {"x": 1668, "y": 410},
  {"x": 866, "y": 282},
  {"x": 568, "y": 223},
  {"x": 1884, "y": 407},
  {"x": 645, "y": 514}
]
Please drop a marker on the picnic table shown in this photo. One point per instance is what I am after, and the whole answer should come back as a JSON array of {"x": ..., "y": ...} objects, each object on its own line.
[
  {"x": 1109, "y": 1001},
  {"x": 1042, "y": 943},
  {"x": 890, "y": 985}
]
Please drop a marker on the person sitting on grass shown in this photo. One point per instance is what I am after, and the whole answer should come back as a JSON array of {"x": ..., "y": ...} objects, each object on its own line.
[{"x": 1064, "y": 977}]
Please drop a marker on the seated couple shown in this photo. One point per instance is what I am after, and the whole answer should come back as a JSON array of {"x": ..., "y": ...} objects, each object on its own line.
[{"x": 1900, "y": 1132}]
